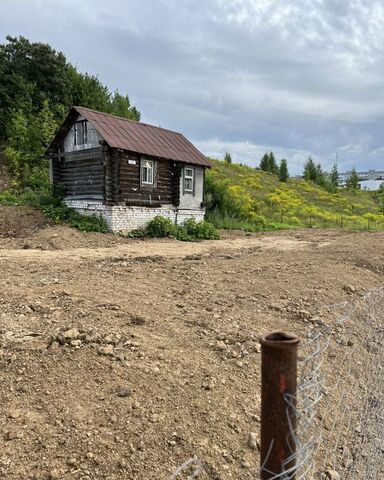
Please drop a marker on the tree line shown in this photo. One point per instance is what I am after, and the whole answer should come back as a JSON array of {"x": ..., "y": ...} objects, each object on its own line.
[
  {"x": 312, "y": 172},
  {"x": 38, "y": 85},
  {"x": 329, "y": 180},
  {"x": 269, "y": 164}
]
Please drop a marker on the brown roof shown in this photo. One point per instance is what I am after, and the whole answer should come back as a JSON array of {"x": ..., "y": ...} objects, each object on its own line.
[{"x": 139, "y": 137}]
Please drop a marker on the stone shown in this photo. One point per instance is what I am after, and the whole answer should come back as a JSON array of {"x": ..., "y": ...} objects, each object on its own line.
[
  {"x": 220, "y": 345},
  {"x": 349, "y": 288},
  {"x": 123, "y": 392},
  {"x": 54, "y": 345},
  {"x": 332, "y": 475},
  {"x": 11, "y": 435},
  {"x": 73, "y": 462},
  {"x": 106, "y": 350},
  {"x": 92, "y": 337},
  {"x": 253, "y": 441},
  {"x": 210, "y": 384},
  {"x": 75, "y": 343},
  {"x": 110, "y": 339},
  {"x": 71, "y": 334}
]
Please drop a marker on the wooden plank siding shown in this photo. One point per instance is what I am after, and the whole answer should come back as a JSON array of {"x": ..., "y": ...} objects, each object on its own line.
[{"x": 109, "y": 175}]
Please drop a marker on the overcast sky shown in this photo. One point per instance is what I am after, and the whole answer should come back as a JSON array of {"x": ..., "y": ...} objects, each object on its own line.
[{"x": 297, "y": 77}]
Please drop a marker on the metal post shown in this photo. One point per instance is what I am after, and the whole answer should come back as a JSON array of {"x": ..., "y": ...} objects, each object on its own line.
[{"x": 278, "y": 419}]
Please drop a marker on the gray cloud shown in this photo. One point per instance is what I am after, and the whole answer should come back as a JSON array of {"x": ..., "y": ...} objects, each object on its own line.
[{"x": 296, "y": 76}]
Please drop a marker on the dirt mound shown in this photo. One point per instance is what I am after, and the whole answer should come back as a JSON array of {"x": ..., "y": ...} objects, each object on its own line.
[
  {"x": 24, "y": 227},
  {"x": 20, "y": 221},
  {"x": 64, "y": 237}
]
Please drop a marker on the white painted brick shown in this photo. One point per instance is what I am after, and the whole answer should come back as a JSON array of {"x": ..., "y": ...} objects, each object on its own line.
[{"x": 123, "y": 218}]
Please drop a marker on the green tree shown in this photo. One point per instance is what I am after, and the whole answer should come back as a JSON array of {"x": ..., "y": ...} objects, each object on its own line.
[
  {"x": 334, "y": 178},
  {"x": 320, "y": 176},
  {"x": 28, "y": 135},
  {"x": 310, "y": 171},
  {"x": 272, "y": 164},
  {"x": 37, "y": 87},
  {"x": 353, "y": 180},
  {"x": 264, "y": 162},
  {"x": 268, "y": 163},
  {"x": 283, "y": 170},
  {"x": 227, "y": 157},
  {"x": 121, "y": 106}
]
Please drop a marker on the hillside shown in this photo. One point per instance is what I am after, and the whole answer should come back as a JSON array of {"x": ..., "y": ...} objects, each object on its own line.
[{"x": 243, "y": 197}]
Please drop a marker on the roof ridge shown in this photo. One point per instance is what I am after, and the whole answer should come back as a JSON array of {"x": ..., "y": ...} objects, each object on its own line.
[{"x": 76, "y": 107}]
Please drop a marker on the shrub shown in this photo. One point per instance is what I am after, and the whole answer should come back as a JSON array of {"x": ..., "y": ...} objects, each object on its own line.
[
  {"x": 161, "y": 227},
  {"x": 199, "y": 230},
  {"x": 190, "y": 231},
  {"x": 88, "y": 223}
]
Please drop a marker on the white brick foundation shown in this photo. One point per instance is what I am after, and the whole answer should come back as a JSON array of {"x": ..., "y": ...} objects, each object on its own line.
[{"x": 123, "y": 218}]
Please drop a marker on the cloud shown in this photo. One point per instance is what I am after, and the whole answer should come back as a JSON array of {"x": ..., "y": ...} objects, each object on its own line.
[{"x": 293, "y": 76}]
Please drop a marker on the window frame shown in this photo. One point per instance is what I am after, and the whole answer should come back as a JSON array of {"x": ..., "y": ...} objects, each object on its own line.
[
  {"x": 189, "y": 177},
  {"x": 142, "y": 168},
  {"x": 84, "y": 132}
]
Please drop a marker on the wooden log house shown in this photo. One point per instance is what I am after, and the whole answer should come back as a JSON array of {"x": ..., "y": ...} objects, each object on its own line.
[{"x": 128, "y": 172}]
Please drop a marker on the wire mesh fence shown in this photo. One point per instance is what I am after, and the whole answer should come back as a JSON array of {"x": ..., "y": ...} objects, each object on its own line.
[
  {"x": 341, "y": 393},
  {"x": 339, "y": 403}
]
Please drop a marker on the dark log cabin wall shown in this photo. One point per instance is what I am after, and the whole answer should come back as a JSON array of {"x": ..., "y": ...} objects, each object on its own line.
[
  {"x": 81, "y": 173},
  {"x": 113, "y": 176},
  {"x": 164, "y": 191}
]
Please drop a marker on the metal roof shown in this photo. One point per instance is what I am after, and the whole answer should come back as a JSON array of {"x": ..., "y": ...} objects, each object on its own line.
[{"x": 119, "y": 132}]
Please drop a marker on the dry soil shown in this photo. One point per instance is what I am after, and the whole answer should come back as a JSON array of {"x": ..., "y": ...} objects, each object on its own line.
[{"x": 122, "y": 359}]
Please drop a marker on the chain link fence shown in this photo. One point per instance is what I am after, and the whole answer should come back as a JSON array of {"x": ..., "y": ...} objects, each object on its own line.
[{"x": 339, "y": 403}]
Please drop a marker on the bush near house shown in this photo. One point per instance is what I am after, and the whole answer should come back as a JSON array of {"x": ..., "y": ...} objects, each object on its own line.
[
  {"x": 239, "y": 196},
  {"x": 189, "y": 231}
]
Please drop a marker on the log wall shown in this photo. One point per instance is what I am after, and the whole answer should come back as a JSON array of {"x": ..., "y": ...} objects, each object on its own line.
[
  {"x": 80, "y": 173},
  {"x": 131, "y": 192},
  {"x": 113, "y": 176}
]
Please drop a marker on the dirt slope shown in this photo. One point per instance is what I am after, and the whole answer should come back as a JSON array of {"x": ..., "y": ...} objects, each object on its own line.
[
  {"x": 16, "y": 222},
  {"x": 123, "y": 362}
]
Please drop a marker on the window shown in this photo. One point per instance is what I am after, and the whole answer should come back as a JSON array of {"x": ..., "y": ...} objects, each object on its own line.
[
  {"x": 80, "y": 132},
  {"x": 147, "y": 168},
  {"x": 189, "y": 179}
]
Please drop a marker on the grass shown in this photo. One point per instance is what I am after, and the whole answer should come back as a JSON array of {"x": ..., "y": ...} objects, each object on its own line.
[{"x": 242, "y": 197}]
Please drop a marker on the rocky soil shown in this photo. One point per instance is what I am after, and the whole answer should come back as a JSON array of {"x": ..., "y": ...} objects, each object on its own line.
[{"x": 122, "y": 359}]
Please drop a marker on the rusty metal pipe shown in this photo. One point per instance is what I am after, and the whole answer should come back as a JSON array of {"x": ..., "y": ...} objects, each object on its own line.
[{"x": 278, "y": 383}]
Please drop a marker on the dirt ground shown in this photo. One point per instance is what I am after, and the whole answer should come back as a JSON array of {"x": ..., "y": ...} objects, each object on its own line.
[{"x": 122, "y": 359}]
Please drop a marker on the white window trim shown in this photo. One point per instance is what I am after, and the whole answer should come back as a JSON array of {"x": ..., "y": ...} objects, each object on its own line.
[
  {"x": 152, "y": 169},
  {"x": 189, "y": 177}
]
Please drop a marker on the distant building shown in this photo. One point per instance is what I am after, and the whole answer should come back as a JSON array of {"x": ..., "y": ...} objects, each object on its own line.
[
  {"x": 363, "y": 175},
  {"x": 371, "y": 184}
]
